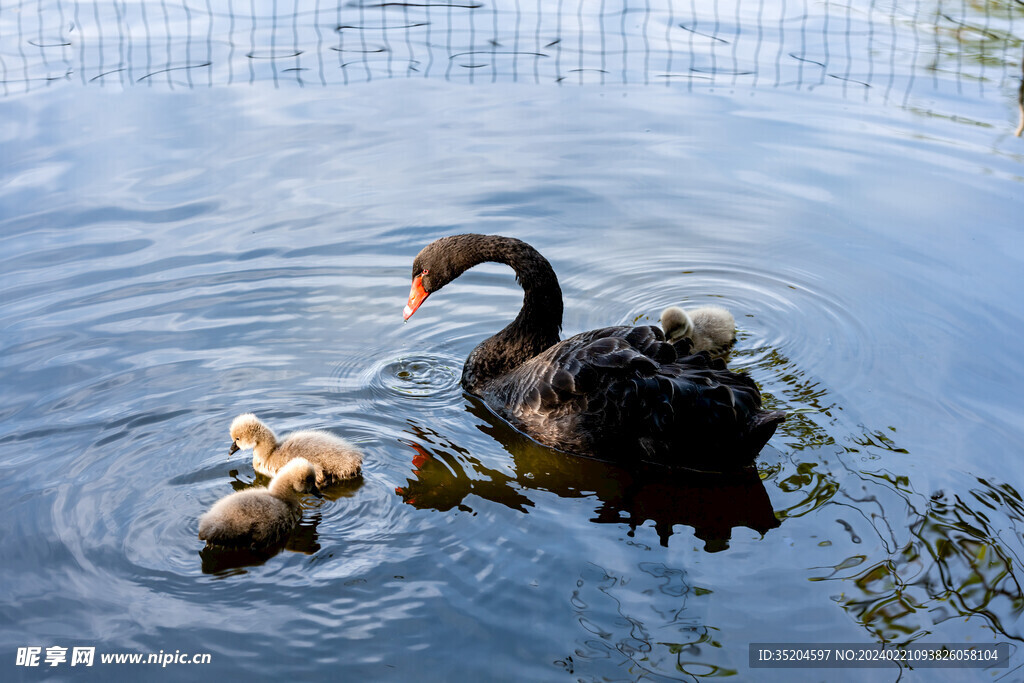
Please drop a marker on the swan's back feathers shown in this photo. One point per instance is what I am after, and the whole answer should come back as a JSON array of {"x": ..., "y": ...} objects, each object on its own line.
[
  {"x": 571, "y": 375},
  {"x": 623, "y": 392}
]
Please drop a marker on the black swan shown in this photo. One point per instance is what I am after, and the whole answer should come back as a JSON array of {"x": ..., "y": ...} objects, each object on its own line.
[{"x": 620, "y": 393}]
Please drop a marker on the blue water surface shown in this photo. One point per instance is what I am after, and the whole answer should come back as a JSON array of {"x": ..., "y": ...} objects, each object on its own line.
[{"x": 209, "y": 211}]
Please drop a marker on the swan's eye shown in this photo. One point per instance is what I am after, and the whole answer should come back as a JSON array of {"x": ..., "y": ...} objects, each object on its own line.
[{"x": 425, "y": 271}]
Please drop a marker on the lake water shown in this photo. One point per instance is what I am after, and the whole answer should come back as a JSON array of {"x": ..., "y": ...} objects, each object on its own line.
[{"x": 205, "y": 212}]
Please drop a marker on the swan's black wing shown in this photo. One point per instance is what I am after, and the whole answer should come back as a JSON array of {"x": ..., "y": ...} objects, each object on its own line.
[{"x": 624, "y": 393}]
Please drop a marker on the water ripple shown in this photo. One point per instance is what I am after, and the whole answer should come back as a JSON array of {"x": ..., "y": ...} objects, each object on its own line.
[
  {"x": 780, "y": 314},
  {"x": 427, "y": 377},
  {"x": 141, "y": 316}
]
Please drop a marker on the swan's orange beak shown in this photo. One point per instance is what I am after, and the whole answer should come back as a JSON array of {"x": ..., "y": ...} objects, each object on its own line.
[{"x": 417, "y": 295}]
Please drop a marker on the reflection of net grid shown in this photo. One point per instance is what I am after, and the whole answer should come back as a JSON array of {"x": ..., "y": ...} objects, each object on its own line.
[{"x": 873, "y": 47}]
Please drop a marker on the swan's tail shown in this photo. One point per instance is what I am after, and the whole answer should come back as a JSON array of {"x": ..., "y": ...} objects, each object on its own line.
[{"x": 762, "y": 427}]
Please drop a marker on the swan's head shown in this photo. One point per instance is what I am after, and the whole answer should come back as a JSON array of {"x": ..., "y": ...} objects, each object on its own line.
[
  {"x": 436, "y": 265},
  {"x": 676, "y": 323},
  {"x": 247, "y": 431},
  {"x": 445, "y": 259},
  {"x": 298, "y": 475}
]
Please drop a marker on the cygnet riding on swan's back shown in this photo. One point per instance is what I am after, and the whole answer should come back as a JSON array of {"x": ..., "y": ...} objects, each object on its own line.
[
  {"x": 260, "y": 517},
  {"x": 709, "y": 328},
  {"x": 333, "y": 458},
  {"x": 616, "y": 392}
]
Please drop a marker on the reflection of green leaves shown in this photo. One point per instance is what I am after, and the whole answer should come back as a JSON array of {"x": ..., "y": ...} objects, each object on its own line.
[
  {"x": 799, "y": 480},
  {"x": 953, "y": 566},
  {"x": 878, "y": 580},
  {"x": 941, "y": 557},
  {"x": 981, "y": 34},
  {"x": 697, "y": 668},
  {"x": 848, "y": 563},
  {"x": 803, "y": 398},
  {"x": 877, "y": 440},
  {"x": 817, "y": 489},
  {"x": 896, "y": 482}
]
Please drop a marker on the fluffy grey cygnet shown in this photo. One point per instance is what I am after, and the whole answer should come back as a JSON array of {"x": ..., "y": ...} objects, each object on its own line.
[
  {"x": 710, "y": 328},
  {"x": 333, "y": 458},
  {"x": 260, "y": 517}
]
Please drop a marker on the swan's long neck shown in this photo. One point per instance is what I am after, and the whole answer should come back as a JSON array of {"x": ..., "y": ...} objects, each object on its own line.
[{"x": 539, "y": 320}]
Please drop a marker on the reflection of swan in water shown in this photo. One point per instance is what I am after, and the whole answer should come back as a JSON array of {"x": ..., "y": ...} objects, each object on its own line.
[{"x": 712, "y": 504}]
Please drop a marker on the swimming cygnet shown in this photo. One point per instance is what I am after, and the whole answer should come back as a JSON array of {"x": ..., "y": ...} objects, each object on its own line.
[
  {"x": 710, "y": 328},
  {"x": 260, "y": 517},
  {"x": 333, "y": 458}
]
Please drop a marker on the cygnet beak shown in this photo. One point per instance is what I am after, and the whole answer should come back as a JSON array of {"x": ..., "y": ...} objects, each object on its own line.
[
  {"x": 316, "y": 492},
  {"x": 234, "y": 447}
]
